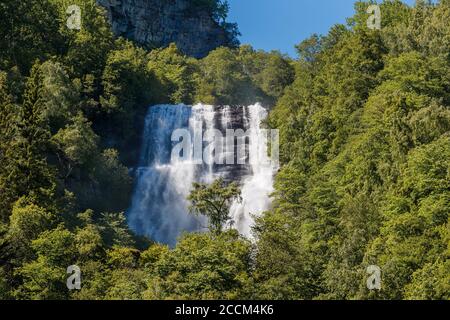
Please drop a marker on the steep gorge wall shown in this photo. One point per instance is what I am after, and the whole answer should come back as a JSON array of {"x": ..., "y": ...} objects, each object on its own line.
[{"x": 157, "y": 23}]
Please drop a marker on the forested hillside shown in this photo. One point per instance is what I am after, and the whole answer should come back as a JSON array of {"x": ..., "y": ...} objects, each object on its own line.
[
  {"x": 365, "y": 148},
  {"x": 366, "y": 152}
]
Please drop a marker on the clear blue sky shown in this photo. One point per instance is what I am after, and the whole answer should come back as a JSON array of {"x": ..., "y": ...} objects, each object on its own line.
[{"x": 281, "y": 24}]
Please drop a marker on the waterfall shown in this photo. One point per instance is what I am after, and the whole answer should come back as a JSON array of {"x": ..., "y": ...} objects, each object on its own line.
[
  {"x": 257, "y": 186},
  {"x": 159, "y": 208}
]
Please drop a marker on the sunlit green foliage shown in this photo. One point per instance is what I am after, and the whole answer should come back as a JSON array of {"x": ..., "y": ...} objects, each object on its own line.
[
  {"x": 214, "y": 201},
  {"x": 365, "y": 143},
  {"x": 203, "y": 267}
]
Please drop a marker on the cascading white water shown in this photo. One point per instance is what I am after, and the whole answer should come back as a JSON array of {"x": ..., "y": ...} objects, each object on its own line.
[
  {"x": 256, "y": 187},
  {"x": 159, "y": 207}
]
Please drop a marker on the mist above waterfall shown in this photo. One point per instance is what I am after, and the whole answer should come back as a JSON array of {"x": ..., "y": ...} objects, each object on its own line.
[{"x": 159, "y": 207}]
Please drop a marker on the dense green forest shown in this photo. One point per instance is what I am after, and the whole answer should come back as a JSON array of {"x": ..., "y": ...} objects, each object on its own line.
[{"x": 364, "y": 118}]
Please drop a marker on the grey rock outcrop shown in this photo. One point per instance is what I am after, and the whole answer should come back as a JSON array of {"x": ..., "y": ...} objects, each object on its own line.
[{"x": 157, "y": 23}]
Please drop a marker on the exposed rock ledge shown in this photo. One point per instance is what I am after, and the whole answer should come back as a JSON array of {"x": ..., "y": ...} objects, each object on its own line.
[{"x": 157, "y": 23}]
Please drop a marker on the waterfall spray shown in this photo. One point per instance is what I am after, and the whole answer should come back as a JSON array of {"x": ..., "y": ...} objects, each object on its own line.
[{"x": 159, "y": 207}]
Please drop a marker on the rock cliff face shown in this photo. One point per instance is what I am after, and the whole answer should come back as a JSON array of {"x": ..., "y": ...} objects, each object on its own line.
[{"x": 157, "y": 23}]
